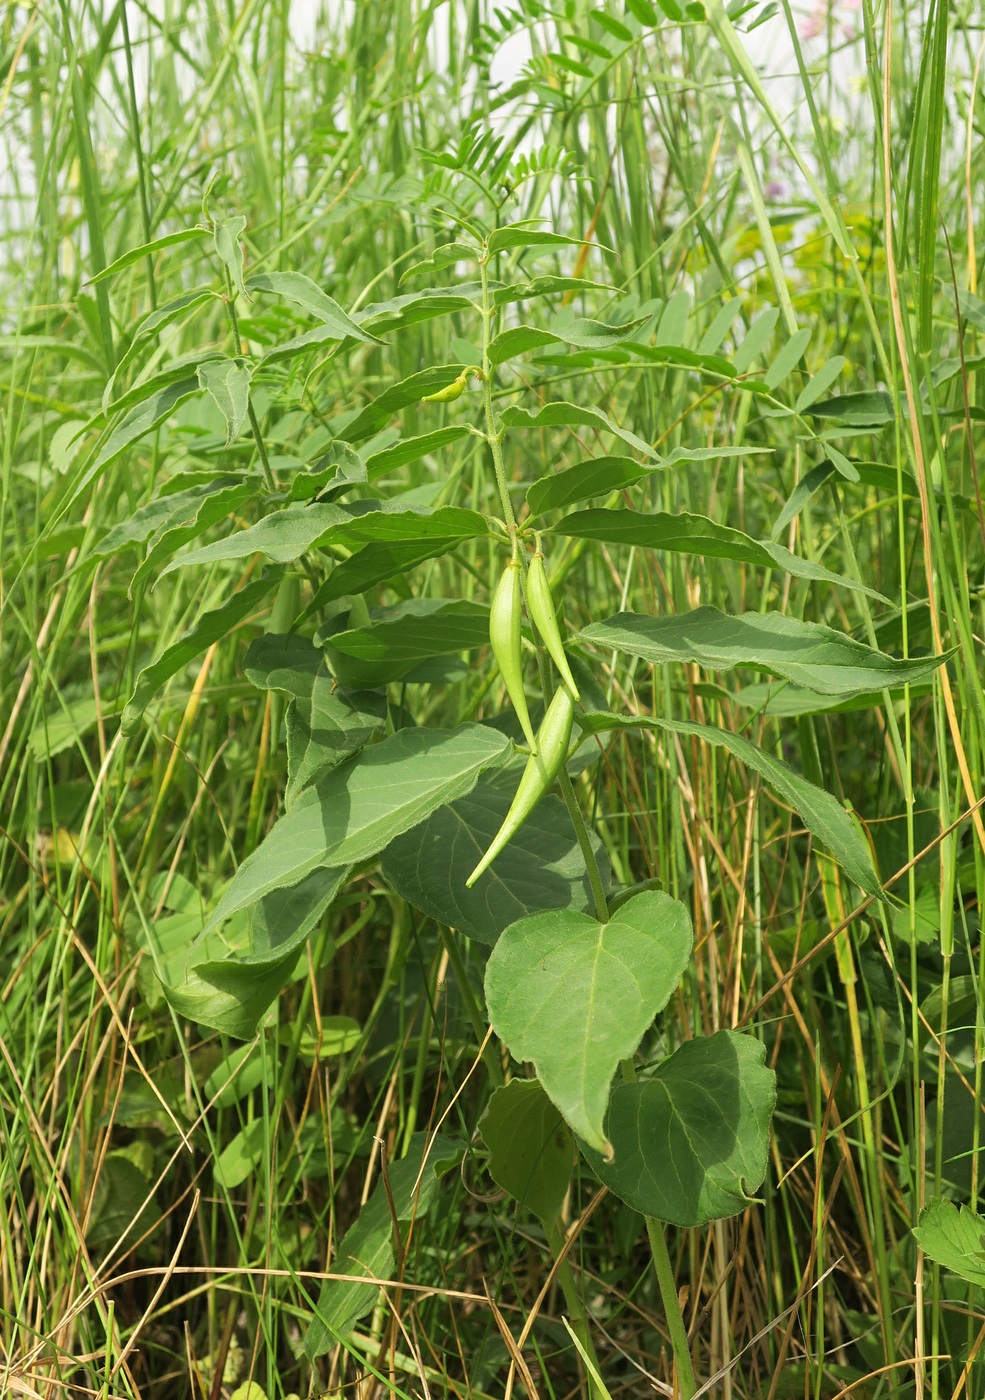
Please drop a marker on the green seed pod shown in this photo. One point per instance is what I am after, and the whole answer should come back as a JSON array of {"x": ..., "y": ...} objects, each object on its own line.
[
  {"x": 543, "y": 615},
  {"x": 504, "y": 635},
  {"x": 451, "y": 391},
  {"x": 538, "y": 777}
]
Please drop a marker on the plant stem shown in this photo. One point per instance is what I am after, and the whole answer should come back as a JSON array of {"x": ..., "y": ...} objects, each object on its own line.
[
  {"x": 573, "y": 1300},
  {"x": 657, "y": 1236},
  {"x": 269, "y": 479}
]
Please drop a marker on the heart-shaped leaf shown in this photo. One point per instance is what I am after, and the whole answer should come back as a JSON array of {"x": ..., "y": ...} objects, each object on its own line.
[
  {"x": 574, "y": 996},
  {"x": 531, "y": 1150},
  {"x": 690, "y": 1144}
]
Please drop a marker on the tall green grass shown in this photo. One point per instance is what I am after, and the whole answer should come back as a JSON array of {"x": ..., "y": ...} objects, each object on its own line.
[{"x": 847, "y": 212}]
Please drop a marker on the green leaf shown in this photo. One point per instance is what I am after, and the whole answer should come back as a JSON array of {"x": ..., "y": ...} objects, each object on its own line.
[
  {"x": 354, "y": 811},
  {"x": 226, "y": 234},
  {"x": 403, "y": 636},
  {"x": 696, "y": 534},
  {"x": 283, "y": 536},
  {"x": 173, "y": 310},
  {"x": 240, "y": 1157},
  {"x": 302, "y": 291},
  {"x": 571, "y": 415},
  {"x": 690, "y": 1144},
  {"x": 133, "y": 426},
  {"x": 820, "y": 382},
  {"x": 803, "y": 652},
  {"x": 146, "y": 250},
  {"x": 788, "y": 359},
  {"x": 596, "y": 477},
  {"x": 542, "y": 867},
  {"x": 190, "y": 523},
  {"x": 953, "y": 1236},
  {"x": 443, "y": 256},
  {"x": 412, "y": 449},
  {"x": 807, "y": 487},
  {"x": 367, "y": 1246},
  {"x": 586, "y": 335},
  {"x": 821, "y": 813},
  {"x": 856, "y": 410},
  {"x": 376, "y": 563},
  {"x": 546, "y": 287},
  {"x": 283, "y": 661},
  {"x": 227, "y": 981},
  {"x": 166, "y": 513},
  {"x": 376, "y": 415},
  {"x": 236, "y": 1075},
  {"x": 574, "y": 996},
  {"x": 643, "y": 11},
  {"x": 119, "y": 1215},
  {"x": 327, "y": 726},
  {"x": 227, "y": 382},
  {"x": 520, "y": 236},
  {"x": 531, "y": 1151},
  {"x": 754, "y": 340},
  {"x": 210, "y": 627}
]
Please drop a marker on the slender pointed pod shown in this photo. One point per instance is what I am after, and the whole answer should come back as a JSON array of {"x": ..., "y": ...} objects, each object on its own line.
[
  {"x": 553, "y": 740},
  {"x": 505, "y": 620},
  {"x": 543, "y": 615}
]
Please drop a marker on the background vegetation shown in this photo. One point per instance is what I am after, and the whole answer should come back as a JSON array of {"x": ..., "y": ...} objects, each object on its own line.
[{"x": 166, "y": 1210}]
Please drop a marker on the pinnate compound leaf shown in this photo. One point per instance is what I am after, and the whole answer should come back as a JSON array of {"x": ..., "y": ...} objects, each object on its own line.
[
  {"x": 696, "y": 534},
  {"x": 822, "y": 814},
  {"x": 531, "y": 1150},
  {"x": 295, "y": 287},
  {"x": 366, "y": 1248},
  {"x": 806, "y": 653},
  {"x": 227, "y": 382},
  {"x": 542, "y": 867},
  {"x": 574, "y": 997},
  {"x": 574, "y": 415},
  {"x": 210, "y": 627},
  {"x": 690, "y": 1144},
  {"x": 953, "y": 1236},
  {"x": 354, "y": 811}
]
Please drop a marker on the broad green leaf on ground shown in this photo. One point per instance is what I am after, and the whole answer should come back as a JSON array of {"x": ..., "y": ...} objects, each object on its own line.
[
  {"x": 412, "y": 449},
  {"x": 226, "y": 233},
  {"x": 134, "y": 425},
  {"x": 822, "y": 814},
  {"x": 209, "y": 628},
  {"x": 147, "y": 250},
  {"x": 300, "y": 290},
  {"x": 401, "y": 637},
  {"x": 123, "y": 1205},
  {"x": 574, "y": 997},
  {"x": 227, "y": 981},
  {"x": 227, "y": 382},
  {"x": 804, "y": 652},
  {"x": 367, "y": 1247},
  {"x": 236, "y": 1075},
  {"x": 555, "y": 415},
  {"x": 241, "y": 1156},
  {"x": 582, "y": 333},
  {"x": 873, "y": 409},
  {"x": 542, "y": 867},
  {"x": 354, "y": 811},
  {"x": 953, "y": 1236},
  {"x": 596, "y": 477},
  {"x": 376, "y": 415},
  {"x": 695, "y": 534},
  {"x": 690, "y": 1143},
  {"x": 531, "y": 1150}
]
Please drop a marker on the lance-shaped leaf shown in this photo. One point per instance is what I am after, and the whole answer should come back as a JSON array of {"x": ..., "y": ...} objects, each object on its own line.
[
  {"x": 531, "y": 1150},
  {"x": 227, "y": 382},
  {"x": 209, "y": 628},
  {"x": 555, "y": 415},
  {"x": 582, "y": 333},
  {"x": 298, "y": 289},
  {"x": 355, "y": 810},
  {"x": 402, "y": 637},
  {"x": 574, "y": 997},
  {"x": 389, "y": 459},
  {"x": 283, "y": 536},
  {"x": 226, "y": 233},
  {"x": 690, "y": 1143},
  {"x": 376, "y": 415},
  {"x": 542, "y": 867},
  {"x": 521, "y": 236},
  {"x": 821, "y": 813},
  {"x": 803, "y": 652},
  {"x": 146, "y": 250},
  {"x": 596, "y": 477},
  {"x": 953, "y": 1236},
  {"x": 136, "y": 424},
  {"x": 164, "y": 513},
  {"x": 865, "y": 410},
  {"x": 696, "y": 534}
]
